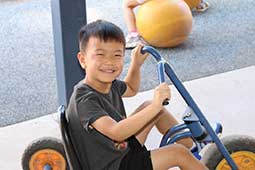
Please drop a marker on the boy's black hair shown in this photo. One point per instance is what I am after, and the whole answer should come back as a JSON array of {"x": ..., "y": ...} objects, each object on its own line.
[{"x": 104, "y": 30}]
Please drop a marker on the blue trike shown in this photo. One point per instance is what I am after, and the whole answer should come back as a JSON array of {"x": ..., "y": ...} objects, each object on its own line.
[{"x": 232, "y": 152}]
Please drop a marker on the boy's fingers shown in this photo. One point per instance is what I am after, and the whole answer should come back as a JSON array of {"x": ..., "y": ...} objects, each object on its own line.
[
  {"x": 145, "y": 55},
  {"x": 137, "y": 51},
  {"x": 163, "y": 88},
  {"x": 140, "y": 46},
  {"x": 164, "y": 85}
]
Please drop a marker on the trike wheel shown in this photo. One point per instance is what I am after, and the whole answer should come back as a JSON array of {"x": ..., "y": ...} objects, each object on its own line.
[
  {"x": 46, "y": 153},
  {"x": 241, "y": 148}
]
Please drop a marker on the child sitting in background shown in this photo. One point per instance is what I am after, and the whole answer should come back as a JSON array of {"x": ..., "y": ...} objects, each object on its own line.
[{"x": 133, "y": 37}]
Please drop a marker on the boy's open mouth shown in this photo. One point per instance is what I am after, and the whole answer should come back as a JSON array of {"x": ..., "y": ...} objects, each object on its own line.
[{"x": 108, "y": 70}]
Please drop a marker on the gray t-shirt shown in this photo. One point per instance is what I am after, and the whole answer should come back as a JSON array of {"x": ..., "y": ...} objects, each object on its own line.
[{"x": 96, "y": 151}]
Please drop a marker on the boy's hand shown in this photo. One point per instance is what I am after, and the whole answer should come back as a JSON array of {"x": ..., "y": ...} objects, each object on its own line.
[
  {"x": 161, "y": 93},
  {"x": 137, "y": 57}
]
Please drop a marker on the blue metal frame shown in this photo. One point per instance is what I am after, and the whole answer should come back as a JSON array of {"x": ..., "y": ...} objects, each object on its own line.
[
  {"x": 171, "y": 132},
  {"x": 67, "y": 19},
  {"x": 163, "y": 66}
]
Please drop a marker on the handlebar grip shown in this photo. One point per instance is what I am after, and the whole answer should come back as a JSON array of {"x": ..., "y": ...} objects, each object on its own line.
[
  {"x": 165, "y": 102},
  {"x": 143, "y": 50}
]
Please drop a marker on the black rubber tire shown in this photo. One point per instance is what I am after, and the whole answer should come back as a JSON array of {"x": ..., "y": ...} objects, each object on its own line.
[
  {"x": 40, "y": 144},
  {"x": 212, "y": 157}
]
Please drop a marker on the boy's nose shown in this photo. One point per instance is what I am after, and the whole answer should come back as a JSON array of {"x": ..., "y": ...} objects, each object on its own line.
[{"x": 109, "y": 62}]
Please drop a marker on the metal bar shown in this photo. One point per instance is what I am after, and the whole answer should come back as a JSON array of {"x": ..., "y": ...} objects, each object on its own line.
[
  {"x": 172, "y": 131},
  {"x": 161, "y": 72},
  {"x": 67, "y": 19},
  {"x": 152, "y": 51},
  {"x": 177, "y": 137}
]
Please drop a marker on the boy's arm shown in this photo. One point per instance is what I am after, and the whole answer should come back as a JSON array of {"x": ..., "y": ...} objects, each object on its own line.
[
  {"x": 133, "y": 76},
  {"x": 119, "y": 131}
]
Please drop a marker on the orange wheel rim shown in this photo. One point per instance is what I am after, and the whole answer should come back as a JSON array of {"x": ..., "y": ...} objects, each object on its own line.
[
  {"x": 47, "y": 157},
  {"x": 245, "y": 160}
]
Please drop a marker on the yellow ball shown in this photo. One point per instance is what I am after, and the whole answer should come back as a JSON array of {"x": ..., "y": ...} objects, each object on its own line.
[
  {"x": 192, "y": 3},
  {"x": 164, "y": 23}
]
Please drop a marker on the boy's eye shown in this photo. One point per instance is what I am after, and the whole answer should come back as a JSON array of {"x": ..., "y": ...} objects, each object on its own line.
[
  {"x": 118, "y": 55},
  {"x": 99, "y": 54}
]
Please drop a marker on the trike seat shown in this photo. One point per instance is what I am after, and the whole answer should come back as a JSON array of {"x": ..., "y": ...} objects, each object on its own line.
[{"x": 71, "y": 155}]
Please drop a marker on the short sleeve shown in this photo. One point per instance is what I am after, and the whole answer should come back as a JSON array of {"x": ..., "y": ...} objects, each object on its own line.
[
  {"x": 121, "y": 86},
  {"x": 89, "y": 110}
]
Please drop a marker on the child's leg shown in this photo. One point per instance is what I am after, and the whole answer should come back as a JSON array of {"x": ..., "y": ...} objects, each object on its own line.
[
  {"x": 133, "y": 37},
  {"x": 163, "y": 121},
  {"x": 175, "y": 155},
  {"x": 143, "y": 133},
  {"x": 129, "y": 15}
]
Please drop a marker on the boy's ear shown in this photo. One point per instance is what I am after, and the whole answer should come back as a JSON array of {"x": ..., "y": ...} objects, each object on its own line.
[{"x": 81, "y": 59}]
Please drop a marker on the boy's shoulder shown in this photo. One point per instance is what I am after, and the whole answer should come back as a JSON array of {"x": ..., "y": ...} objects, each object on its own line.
[{"x": 84, "y": 91}]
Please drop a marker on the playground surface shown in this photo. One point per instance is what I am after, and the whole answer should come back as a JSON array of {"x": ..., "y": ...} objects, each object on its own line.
[
  {"x": 216, "y": 64},
  {"x": 222, "y": 39}
]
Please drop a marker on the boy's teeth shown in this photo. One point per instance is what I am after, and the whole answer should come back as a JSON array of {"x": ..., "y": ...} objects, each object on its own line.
[{"x": 109, "y": 71}]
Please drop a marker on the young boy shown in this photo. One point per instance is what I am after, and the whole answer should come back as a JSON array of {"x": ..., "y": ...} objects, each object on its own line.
[
  {"x": 105, "y": 137},
  {"x": 133, "y": 37}
]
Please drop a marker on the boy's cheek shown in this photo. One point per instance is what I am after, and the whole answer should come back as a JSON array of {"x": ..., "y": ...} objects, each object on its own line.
[{"x": 93, "y": 56}]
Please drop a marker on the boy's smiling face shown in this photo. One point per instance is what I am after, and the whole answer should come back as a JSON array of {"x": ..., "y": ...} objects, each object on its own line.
[{"x": 103, "y": 61}]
